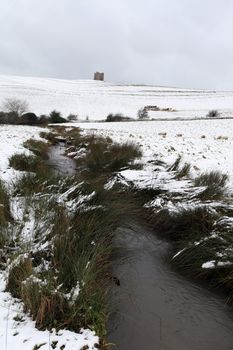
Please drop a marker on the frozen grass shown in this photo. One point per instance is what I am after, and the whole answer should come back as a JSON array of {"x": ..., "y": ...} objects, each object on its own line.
[
  {"x": 51, "y": 137},
  {"x": 200, "y": 229},
  {"x": 214, "y": 184},
  {"x": 24, "y": 162},
  {"x": 175, "y": 166},
  {"x": 184, "y": 224},
  {"x": 110, "y": 158},
  {"x": 5, "y": 214},
  {"x": 39, "y": 148},
  {"x": 183, "y": 171},
  {"x": 65, "y": 284}
]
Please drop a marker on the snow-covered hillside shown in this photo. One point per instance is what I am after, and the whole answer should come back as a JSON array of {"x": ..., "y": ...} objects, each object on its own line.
[{"x": 97, "y": 99}]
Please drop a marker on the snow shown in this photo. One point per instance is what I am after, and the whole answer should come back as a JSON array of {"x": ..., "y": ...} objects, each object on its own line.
[
  {"x": 212, "y": 264},
  {"x": 17, "y": 330},
  {"x": 12, "y": 138},
  {"x": 97, "y": 99},
  {"x": 206, "y": 144},
  {"x": 209, "y": 265},
  {"x": 166, "y": 140}
]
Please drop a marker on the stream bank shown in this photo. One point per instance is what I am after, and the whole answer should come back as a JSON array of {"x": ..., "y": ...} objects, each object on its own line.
[{"x": 153, "y": 307}]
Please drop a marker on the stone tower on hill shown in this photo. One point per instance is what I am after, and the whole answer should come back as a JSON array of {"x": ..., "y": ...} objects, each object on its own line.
[{"x": 99, "y": 76}]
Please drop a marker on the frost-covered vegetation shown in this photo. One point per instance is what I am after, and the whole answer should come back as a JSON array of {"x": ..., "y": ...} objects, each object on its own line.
[
  {"x": 185, "y": 204},
  {"x": 61, "y": 233}
]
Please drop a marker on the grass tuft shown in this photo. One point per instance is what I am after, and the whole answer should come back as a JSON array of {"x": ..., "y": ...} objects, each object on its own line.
[
  {"x": 18, "y": 273},
  {"x": 5, "y": 214},
  {"x": 175, "y": 166},
  {"x": 39, "y": 148},
  {"x": 24, "y": 162},
  {"x": 214, "y": 183}
]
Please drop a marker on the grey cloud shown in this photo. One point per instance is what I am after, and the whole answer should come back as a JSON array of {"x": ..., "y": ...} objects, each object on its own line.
[{"x": 166, "y": 42}]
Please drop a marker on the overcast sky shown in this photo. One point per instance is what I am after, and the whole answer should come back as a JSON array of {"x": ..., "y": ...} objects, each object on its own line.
[{"x": 186, "y": 43}]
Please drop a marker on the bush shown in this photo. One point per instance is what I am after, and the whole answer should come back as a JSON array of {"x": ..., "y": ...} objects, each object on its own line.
[
  {"x": 117, "y": 118},
  {"x": 29, "y": 119},
  {"x": 55, "y": 117},
  {"x": 9, "y": 118},
  {"x": 43, "y": 119},
  {"x": 213, "y": 114}
]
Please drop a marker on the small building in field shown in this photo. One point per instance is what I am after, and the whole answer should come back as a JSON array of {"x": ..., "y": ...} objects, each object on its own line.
[{"x": 99, "y": 76}]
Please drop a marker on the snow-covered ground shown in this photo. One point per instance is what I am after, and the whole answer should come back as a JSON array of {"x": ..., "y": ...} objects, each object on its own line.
[
  {"x": 11, "y": 141},
  {"x": 17, "y": 330},
  {"x": 97, "y": 99},
  {"x": 205, "y": 144}
]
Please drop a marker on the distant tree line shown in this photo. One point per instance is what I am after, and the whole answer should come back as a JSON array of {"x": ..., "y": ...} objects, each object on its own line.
[{"x": 16, "y": 112}]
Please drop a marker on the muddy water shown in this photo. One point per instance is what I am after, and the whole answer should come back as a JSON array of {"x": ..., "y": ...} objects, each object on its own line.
[
  {"x": 156, "y": 308},
  {"x": 60, "y": 163}
]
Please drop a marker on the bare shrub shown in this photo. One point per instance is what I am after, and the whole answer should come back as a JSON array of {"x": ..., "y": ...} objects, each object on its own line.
[{"x": 15, "y": 105}]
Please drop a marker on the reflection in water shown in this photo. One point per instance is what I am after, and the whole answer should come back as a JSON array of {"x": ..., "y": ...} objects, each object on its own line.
[
  {"x": 156, "y": 308},
  {"x": 61, "y": 163}
]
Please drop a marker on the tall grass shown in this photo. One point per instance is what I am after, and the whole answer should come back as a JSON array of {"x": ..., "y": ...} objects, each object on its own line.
[
  {"x": 5, "y": 214},
  {"x": 25, "y": 162},
  {"x": 73, "y": 291},
  {"x": 183, "y": 224},
  {"x": 105, "y": 158},
  {"x": 214, "y": 183},
  {"x": 39, "y": 148}
]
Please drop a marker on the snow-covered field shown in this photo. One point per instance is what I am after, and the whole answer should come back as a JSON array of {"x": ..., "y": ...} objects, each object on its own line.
[
  {"x": 97, "y": 99},
  {"x": 11, "y": 141},
  {"x": 206, "y": 144}
]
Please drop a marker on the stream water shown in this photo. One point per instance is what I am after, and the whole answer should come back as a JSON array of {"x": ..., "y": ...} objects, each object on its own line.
[
  {"x": 155, "y": 308},
  {"x": 60, "y": 163}
]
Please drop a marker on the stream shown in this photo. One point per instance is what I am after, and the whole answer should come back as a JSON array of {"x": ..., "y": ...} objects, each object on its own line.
[
  {"x": 60, "y": 163},
  {"x": 154, "y": 307}
]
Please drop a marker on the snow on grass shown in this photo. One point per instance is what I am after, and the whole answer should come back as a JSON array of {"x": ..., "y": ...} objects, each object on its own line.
[
  {"x": 97, "y": 99},
  {"x": 206, "y": 144},
  {"x": 12, "y": 138},
  {"x": 17, "y": 330}
]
